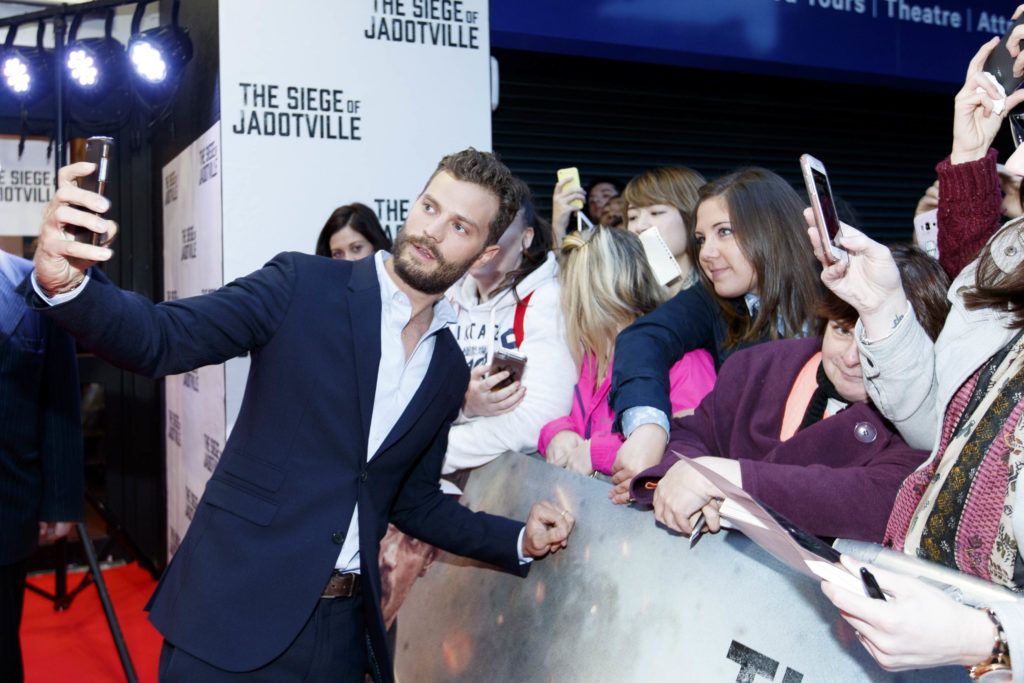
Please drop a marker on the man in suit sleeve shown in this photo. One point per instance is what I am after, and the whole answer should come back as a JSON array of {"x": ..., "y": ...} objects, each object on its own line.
[
  {"x": 354, "y": 382},
  {"x": 41, "y": 477}
]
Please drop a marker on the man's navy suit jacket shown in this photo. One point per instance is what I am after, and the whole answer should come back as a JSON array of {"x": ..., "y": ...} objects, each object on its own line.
[
  {"x": 268, "y": 529},
  {"x": 41, "y": 474}
]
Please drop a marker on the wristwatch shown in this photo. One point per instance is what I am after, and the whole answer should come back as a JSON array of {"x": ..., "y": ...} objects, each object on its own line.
[{"x": 997, "y": 666}]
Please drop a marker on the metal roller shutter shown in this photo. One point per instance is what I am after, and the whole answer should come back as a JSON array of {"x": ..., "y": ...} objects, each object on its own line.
[{"x": 613, "y": 118}]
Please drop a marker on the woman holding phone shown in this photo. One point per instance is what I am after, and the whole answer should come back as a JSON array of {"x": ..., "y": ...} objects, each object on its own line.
[
  {"x": 662, "y": 198},
  {"x": 961, "y": 398},
  {"x": 789, "y": 422},
  {"x": 759, "y": 281},
  {"x": 606, "y": 285},
  {"x": 510, "y": 304}
]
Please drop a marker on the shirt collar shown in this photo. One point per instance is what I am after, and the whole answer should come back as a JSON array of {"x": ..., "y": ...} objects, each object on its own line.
[
  {"x": 753, "y": 302},
  {"x": 444, "y": 314}
]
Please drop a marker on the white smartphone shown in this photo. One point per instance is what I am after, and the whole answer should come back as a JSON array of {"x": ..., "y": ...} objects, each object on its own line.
[
  {"x": 926, "y": 231},
  {"x": 659, "y": 256},
  {"x": 819, "y": 191}
]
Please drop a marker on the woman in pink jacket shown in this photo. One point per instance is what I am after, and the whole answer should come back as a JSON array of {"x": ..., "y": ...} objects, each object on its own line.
[{"x": 606, "y": 285}]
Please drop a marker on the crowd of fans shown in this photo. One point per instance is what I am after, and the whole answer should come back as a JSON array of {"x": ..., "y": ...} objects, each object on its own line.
[{"x": 868, "y": 399}]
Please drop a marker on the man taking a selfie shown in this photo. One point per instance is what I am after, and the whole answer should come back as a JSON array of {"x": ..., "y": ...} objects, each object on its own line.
[{"x": 353, "y": 383}]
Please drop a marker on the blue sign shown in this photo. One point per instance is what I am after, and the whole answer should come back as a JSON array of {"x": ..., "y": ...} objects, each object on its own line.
[{"x": 883, "y": 41}]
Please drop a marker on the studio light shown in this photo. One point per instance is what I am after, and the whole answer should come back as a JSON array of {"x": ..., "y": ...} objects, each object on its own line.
[
  {"x": 26, "y": 71},
  {"x": 158, "y": 56},
  {"x": 16, "y": 73},
  {"x": 96, "y": 66},
  {"x": 98, "y": 87}
]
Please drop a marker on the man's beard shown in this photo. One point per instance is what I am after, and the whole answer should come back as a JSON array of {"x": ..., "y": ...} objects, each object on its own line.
[{"x": 436, "y": 281}]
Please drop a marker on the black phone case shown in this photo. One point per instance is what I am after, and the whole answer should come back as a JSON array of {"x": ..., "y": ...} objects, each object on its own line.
[
  {"x": 97, "y": 149},
  {"x": 1000, "y": 63}
]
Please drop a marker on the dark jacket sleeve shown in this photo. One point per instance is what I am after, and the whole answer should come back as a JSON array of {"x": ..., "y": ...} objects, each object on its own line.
[
  {"x": 970, "y": 210},
  {"x": 423, "y": 511},
  {"x": 845, "y": 502},
  {"x": 61, "y": 432},
  {"x": 647, "y": 349},
  {"x": 172, "y": 337},
  {"x": 691, "y": 436}
]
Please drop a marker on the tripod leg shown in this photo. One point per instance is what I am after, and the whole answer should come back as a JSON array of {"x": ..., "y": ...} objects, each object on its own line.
[
  {"x": 121, "y": 536},
  {"x": 108, "y": 606},
  {"x": 61, "y": 600}
]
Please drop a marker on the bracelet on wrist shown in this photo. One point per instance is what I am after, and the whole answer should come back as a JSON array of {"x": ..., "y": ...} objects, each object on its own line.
[{"x": 999, "y": 660}]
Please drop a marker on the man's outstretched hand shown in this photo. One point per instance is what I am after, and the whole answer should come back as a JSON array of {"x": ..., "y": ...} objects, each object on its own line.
[{"x": 547, "y": 530}]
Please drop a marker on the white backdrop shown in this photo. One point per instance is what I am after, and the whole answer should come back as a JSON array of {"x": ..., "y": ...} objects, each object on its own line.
[
  {"x": 321, "y": 107},
  {"x": 194, "y": 402},
  {"x": 323, "y": 103}
]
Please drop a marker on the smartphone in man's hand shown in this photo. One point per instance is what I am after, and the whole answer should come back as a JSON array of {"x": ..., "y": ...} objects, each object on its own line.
[{"x": 99, "y": 150}]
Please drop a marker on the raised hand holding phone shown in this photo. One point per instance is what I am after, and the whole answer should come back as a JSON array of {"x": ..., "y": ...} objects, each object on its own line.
[
  {"x": 869, "y": 281},
  {"x": 975, "y": 120},
  {"x": 99, "y": 152},
  {"x": 567, "y": 198},
  {"x": 60, "y": 260},
  {"x": 571, "y": 176},
  {"x": 1002, "y": 60},
  {"x": 819, "y": 191}
]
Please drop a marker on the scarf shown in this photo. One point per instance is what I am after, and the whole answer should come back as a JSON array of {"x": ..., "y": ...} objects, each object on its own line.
[{"x": 958, "y": 511}]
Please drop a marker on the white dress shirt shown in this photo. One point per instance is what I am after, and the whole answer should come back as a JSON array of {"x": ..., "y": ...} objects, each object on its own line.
[{"x": 397, "y": 379}]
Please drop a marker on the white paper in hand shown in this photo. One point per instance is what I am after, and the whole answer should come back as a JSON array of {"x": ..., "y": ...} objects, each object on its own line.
[
  {"x": 997, "y": 105},
  {"x": 800, "y": 550}
]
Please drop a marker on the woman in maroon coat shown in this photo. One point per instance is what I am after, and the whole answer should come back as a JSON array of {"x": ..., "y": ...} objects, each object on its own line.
[{"x": 789, "y": 421}]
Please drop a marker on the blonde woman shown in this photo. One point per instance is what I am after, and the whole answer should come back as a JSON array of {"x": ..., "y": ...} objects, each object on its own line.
[
  {"x": 661, "y": 198},
  {"x": 606, "y": 285}
]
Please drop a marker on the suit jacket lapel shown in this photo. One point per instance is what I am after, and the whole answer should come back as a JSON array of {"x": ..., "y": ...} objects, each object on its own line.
[
  {"x": 364, "y": 315},
  {"x": 436, "y": 376},
  {"x": 12, "y": 308}
]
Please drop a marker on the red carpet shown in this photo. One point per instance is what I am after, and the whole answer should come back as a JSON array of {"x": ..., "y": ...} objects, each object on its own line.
[{"x": 76, "y": 645}]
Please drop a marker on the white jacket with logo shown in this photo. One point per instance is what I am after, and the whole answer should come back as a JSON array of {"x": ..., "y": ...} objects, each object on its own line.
[{"x": 549, "y": 376}]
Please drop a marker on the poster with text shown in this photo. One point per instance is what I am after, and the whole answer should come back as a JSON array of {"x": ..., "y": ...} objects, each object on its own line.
[
  {"x": 194, "y": 401},
  {"x": 325, "y": 103},
  {"x": 26, "y": 184}
]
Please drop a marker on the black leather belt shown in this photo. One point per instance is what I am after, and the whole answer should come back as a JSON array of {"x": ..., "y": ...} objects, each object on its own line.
[{"x": 342, "y": 585}]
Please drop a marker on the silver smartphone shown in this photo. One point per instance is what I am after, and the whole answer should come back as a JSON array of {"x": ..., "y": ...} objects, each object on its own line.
[{"x": 819, "y": 191}]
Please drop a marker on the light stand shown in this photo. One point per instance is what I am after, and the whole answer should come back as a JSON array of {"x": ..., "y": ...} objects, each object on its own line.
[{"x": 61, "y": 597}]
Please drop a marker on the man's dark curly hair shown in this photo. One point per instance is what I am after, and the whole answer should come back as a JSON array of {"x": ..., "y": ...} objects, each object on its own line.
[{"x": 487, "y": 171}]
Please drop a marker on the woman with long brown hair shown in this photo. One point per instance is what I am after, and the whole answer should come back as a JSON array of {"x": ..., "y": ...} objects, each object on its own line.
[{"x": 760, "y": 282}]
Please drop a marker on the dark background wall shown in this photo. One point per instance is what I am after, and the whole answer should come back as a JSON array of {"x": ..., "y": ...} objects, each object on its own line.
[
  {"x": 616, "y": 118},
  {"x": 125, "y": 448}
]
